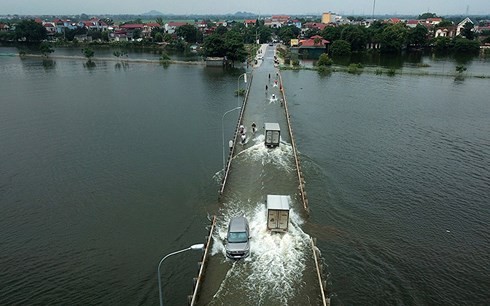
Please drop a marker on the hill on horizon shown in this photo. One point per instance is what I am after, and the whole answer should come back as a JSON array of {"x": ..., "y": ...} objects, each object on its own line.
[{"x": 152, "y": 13}]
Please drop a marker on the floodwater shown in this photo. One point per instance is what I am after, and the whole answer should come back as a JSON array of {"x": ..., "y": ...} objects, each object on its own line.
[{"x": 103, "y": 171}]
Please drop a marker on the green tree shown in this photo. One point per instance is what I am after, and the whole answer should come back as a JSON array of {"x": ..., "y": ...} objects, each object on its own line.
[
  {"x": 418, "y": 36},
  {"x": 331, "y": 33},
  {"x": 167, "y": 37},
  {"x": 188, "y": 32},
  {"x": 460, "y": 69},
  {"x": 444, "y": 23},
  {"x": 137, "y": 34},
  {"x": 214, "y": 45},
  {"x": 312, "y": 32},
  {"x": 159, "y": 20},
  {"x": 88, "y": 53},
  {"x": 324, "y": 60},
  {"x": 393, "y": 38},
  {"x": 467, "y": 31},
  {"x": 120, "y": 53},
  {"x": 235, "y": 49},
  {"x": 221, "y": 30},
  {"x": 465, "y": 46},
  {"x": 427, "y": 15},
  {"x": 45, "y": 49},
  {"x": 441, "y": 44},
  {"x": 7, "y": 35},
  {"x": 264, "y": 34},
  {"x": 340, "y": 47},
  {"x": 95, "y": 34},
  {"x": 29, "y": 30},
  {"x": 375, "y": 32},
  {"x": 70, "y": 34},
  {"x": 356, "y": 36},
  {"x": 158, "y": 37},
  {"x": 288, "y": 32}
]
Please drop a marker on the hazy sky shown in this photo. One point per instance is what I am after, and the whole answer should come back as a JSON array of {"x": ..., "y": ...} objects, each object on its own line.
[{"x": 263, "y": 7}]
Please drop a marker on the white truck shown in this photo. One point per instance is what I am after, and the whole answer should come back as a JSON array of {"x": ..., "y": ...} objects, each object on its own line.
[
  {"x": 278, "y": 213},
  {"x": 272, "y": 134}
]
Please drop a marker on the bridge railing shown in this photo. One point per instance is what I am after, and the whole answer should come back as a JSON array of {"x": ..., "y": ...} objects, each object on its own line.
[
  {"x": 235, "y": 139},
  {"x": 202, "y": 265},
  {"x": 299, "y": 172}
]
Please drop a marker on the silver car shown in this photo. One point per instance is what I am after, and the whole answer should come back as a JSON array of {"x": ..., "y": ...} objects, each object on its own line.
[{"x": 237, "y": 240}]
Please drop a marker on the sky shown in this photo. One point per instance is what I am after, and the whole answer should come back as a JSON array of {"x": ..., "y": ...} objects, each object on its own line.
[{"x": 268, "y": 7}]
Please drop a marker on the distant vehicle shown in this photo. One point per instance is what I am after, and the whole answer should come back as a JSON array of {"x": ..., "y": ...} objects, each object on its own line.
[
  {"x": 271, "y": 44},
  {"x": 237, "y": 240},
  {"x": 260, "y": 58}
]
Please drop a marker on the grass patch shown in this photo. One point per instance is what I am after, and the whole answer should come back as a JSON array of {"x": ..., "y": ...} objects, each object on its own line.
[{"x": 391, "y": 72}]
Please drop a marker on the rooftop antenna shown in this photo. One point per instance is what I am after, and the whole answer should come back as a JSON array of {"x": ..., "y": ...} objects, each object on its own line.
[{"x": 467, "y": 9}]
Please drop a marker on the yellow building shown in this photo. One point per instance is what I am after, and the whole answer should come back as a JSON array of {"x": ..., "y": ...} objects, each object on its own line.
[{"x": 328, "y": 17}]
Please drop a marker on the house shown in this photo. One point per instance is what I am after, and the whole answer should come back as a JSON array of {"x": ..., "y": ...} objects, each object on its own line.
[
  {"x": 119, "y": 35},
  {"x": 50, "y": 27},
  {"x": 277, "y": 21},
  {"x": 433, "y": 21},
  {"x": 215, "y": 61},
  {"x": 272, "y": 24},
  {"x": 315, "y": 41},
  {"x": 394, "y": 20},
  {"x": 148, "y": 27},
  {"x": 312, "y": 47},
  {"x": 312, "y": 25},
  {"x": 445, "y": 32},
  {"x": 412, "y": 23},
  {"x": 296, "y": 23},
  {"x": 461, "y": 25},
  {"x": 202, "y": 25},
  {"x": 93, "y": 24},
  {"x": 4, "y": 27},
  {"x": 61, "y": 25},
  {"x": 250, "y": 22},
  {"x": 283, "y": 19},
  {"x": 172, "y": 26}
]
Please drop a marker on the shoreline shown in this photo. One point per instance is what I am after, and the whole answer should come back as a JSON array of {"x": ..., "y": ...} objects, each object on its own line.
[{"x": 125, "y": 60}]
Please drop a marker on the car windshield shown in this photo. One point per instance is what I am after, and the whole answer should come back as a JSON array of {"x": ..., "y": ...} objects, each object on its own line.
[{"x": 237, "y": 237}]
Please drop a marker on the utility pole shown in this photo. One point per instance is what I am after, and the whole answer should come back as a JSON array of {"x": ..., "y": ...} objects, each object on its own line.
[{"x": 374, "y": 6}]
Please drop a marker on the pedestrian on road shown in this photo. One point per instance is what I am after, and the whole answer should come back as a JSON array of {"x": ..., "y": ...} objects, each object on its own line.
[
  {"x": 230, "y": 144},
  {"x": 266, "y": 87},
  {"x": 269, "y": 76}
]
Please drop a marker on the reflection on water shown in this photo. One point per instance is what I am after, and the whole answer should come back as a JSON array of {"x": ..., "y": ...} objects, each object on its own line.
[
  {"x": 103, "y": 171},
  {"x": 397, "y": 179}
]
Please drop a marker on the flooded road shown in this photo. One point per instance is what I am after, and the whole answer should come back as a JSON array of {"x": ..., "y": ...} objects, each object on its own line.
[{"x": 104, "y": 171}]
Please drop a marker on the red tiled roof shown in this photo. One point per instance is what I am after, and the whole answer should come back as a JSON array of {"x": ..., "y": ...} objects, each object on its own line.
[
  {"x": 311, "y": 42},
  {"x": 176, "y": 24},
  {"x": 314, "y": 25},
  {"x": 132, "y": 26},
  {"x": 250, "y": 21},
  {"x": 153, "y": 24},
  {"x": 280, "y": 17},
  {"x": 413, "y": 21}
]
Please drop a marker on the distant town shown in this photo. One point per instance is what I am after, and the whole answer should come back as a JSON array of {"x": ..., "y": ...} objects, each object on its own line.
[{"x": 228, "y": 36}]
